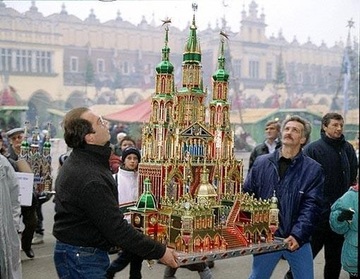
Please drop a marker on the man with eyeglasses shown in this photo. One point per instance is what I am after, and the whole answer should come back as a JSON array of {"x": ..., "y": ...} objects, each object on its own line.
[
  {"x": 88, "y": 222},
  {"x": 28, "y": 213}
]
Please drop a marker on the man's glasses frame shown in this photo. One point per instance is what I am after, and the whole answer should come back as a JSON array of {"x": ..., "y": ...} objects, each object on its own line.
[{"x": 102, "y": 121}]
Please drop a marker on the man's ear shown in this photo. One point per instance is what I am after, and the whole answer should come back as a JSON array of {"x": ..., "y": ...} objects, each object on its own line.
[
  {"x": 89, "y": 138},
  {"x": 303, "y": 140}
]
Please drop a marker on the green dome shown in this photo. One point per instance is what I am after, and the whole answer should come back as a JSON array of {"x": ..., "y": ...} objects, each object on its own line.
[
  {"x": 25, "y": 144},
  {"x": 147, "y": 199},
  {"x": 47, "y": 144},
  {"x": 221, "y": 75},
  {"x": 165, "y": 67}
]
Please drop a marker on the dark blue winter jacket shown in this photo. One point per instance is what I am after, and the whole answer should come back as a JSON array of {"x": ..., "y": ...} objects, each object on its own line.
[{"x": 299, "y": 192}]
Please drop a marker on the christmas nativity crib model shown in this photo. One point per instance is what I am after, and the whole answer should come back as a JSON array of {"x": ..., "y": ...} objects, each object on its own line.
[
  {"x": 206, "y": 228},
  {"x": 189, "y": 179},
  {"x": 39, "y": 159}
]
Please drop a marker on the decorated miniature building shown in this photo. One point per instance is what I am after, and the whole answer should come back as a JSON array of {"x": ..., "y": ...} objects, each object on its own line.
[
  {"x": 189, "y": 177},
  {"x": 38, "y": 158}
]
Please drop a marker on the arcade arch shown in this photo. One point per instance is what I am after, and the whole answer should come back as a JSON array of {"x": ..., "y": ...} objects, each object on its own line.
[
  {"x": 38, "y": 104},
  {"x": 76, "y": 99}
]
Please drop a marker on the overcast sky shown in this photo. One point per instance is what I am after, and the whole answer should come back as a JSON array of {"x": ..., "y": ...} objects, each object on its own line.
[{"x": 319, "y": 20}]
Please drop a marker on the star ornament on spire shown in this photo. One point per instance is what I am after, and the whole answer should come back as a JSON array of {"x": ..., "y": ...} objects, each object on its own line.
[
  {"x": 194, "y": 7},
  {"x": 350, "y": 23},
  {"x": 166, "y": 21},
  {"x": 222, "y": 33}
]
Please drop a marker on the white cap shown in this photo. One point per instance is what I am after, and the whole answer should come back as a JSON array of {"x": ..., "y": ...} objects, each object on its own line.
[
  {"x": 14, "y": 132},
  {"x": 121, "y": 135}
]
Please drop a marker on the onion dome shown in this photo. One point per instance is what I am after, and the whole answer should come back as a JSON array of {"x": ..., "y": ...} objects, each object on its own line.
[
  {"x": 221, "y": 74},
  {"x": 47, "y": 145},
  {"x": 205, "y": 189},
  {"x": 25, "y": 144},
  {"x": 147, "y": 199},
  {"x": 165, "y": 66}
]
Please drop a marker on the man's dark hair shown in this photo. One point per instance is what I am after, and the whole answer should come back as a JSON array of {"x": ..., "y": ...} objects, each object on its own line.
[
  {"x": 76, "y": 128},
  {"x": 327, "y": 117}
]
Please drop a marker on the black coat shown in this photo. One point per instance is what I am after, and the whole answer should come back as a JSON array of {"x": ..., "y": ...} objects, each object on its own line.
[
  {"x": 86, "y": 206},
  {"x": 338, "y": 159}
]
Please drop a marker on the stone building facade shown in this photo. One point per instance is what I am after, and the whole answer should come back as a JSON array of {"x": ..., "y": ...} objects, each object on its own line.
[{"x": 60, "y": 61}]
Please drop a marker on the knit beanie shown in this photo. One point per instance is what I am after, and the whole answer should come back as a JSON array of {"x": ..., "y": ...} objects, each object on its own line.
[{"x": 130, "y": 150}]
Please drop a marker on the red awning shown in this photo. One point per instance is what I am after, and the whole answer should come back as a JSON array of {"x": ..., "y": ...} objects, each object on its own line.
[
  {"x": 7, "y": 97},
  {"x": 139, "y": 112}
]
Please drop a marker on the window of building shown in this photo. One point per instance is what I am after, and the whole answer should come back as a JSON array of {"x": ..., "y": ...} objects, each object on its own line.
[
  {"x": 38, "y": 62},
  {"x": 100, "y": 66},
  {"x": 327, "y": 79},
  {"x": 26, "y": 61},
  {"x": 237, "y": 68},
  {"x": 299, "y": 78},
  {"x": 43, "y": 62},
  {"x": 149, "y": 69},
  {"x": 313, "y": 79},
  {"x": 269, "y": 74},
  {"x": 29, "y": 61},
  {"x": 125, "y": 68},
  {"x": 74, "y": 64},
  {"x": 5, "y": 59},
  {"x": 19, "y": 61},
  {"x": 253, "y": 69},
  {"x": 47, "y": 61}
]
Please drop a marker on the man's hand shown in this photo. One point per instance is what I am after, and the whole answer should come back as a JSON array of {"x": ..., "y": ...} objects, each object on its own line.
[
  {"x": 114, "y": 162},
  {"x": 345, "y": 215},
  {"x": 292, "y": 243},
  {"x": 170, "y": 258}
]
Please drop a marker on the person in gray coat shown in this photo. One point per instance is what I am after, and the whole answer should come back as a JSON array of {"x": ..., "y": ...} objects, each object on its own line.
[{"x": 10, "y": 260}]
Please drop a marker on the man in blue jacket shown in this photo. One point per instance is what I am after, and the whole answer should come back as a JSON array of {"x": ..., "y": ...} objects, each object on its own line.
[
  {"x": 297, "y": 181},
  {"x": 338, "y": 159}
]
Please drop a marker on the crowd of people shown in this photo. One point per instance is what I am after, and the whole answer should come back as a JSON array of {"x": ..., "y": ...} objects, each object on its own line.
[{"x": 315, "y": 185}]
